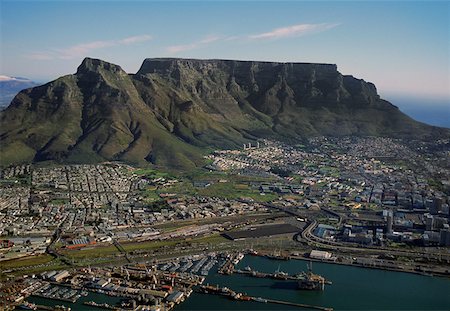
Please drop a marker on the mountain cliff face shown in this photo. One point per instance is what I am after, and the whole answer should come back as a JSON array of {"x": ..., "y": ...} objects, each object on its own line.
[{"x": 172, "y": 110}]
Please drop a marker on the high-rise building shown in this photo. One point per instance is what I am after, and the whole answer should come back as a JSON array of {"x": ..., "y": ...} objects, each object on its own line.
[
  {"x": 445, "y": 236},
  {"x": 389, "y": 222}
]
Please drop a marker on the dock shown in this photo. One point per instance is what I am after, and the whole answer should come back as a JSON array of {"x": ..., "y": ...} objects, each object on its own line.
[
  {"x": 42, "y": 307},
  {"x": 231, "y": 294},
  {"x": 48, "y": 308},
  {"x": 276, "y": 275},
  {"x": 294, "y": 304}
]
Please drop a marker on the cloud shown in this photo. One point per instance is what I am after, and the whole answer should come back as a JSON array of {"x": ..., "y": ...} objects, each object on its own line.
[
  {"x": 135, "y": 39},
  {"x": 209, "y": 39},
  {"x": 191, "y": 46},
  {"x": 290, "y": 31},
  {"x": 294, "y": 30},
  {"x": 180, "y": 48},
  {"x": 80, "y": 50}
]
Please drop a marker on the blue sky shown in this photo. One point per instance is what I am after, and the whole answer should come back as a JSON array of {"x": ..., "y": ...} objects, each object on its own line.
[{"x": 403, "y": 47}]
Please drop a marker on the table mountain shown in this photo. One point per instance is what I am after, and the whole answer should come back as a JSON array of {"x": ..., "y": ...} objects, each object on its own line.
[{"x": 173, "y": 110}]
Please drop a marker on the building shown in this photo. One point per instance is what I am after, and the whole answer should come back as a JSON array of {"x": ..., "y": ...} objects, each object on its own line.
[
  {"x": 445, "y": 236},
  {"x": 319, "y": 254},
  {"x": 389, "y": 222},
  {"x": 175, "y": 297},
  {"x": 60, "y": 276},
  {"x": 100, "y": 283}
]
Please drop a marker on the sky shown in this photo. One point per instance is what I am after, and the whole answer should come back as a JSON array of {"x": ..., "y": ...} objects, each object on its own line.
[{"x": 401, "y": 46}]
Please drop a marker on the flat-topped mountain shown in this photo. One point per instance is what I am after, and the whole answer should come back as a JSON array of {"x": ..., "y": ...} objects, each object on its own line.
[{"x": 173, "y": 110}]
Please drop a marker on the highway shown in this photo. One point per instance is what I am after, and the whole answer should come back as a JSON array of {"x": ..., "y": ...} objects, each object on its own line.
[{"x": 316, "y": 241}]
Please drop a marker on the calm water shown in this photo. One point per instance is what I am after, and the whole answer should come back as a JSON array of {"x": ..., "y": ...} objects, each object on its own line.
[
  {"x": 353, "y": 289},
  {"x": 99, "y": 298}
]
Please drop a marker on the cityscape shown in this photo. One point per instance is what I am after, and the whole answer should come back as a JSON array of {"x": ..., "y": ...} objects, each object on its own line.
[
  {"x": 224, "y": 155},
  {"x": 368, "y": 202}
]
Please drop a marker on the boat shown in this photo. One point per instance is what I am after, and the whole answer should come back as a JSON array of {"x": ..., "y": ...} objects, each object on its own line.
[
  {"x": 259, "y": 299},
  {"x": 245, "y": 298},
  {"x": 277, "y": 255},
  {"x": 253, "y": 252},
  {"x": 258, "y": 274},
  {"x": 28, "y": 306},
  {"x": 310, "y": 281},
  {"x": 280, "y": 274},
  {"x": 247, "y": 268}
]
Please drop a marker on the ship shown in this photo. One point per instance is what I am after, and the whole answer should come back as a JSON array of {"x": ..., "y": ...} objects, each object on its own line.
[
  {"x": 252, "y": 252},
  {"x": 310, "y": 281},
  {"x": 259, "y": 299},
  {"x": 28, "y": 306},
  {"x": 277, "y": 255},
  {"x": 280, "y": 275}
]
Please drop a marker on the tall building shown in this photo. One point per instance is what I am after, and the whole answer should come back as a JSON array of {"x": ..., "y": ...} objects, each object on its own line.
[
  {"x": 429, "y": 222},
  {"x": 436, "y": 206},
  {"x": 389, "y": 222},
  {"x": 445, "y": 236}
]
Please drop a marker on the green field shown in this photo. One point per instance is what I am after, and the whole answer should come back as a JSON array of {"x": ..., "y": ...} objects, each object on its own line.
[
  {"x": 102, "y": 251},
  {"x": 234, "y": 187},
  {"x": 26, "y": 261}
]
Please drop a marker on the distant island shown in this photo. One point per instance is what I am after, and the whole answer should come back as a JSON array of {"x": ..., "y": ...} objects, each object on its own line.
[{"x": 10, "y": 86}]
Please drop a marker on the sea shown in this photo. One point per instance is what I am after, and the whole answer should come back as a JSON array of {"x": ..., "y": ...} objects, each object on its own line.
[
  {"x": 353, "y": 288},
  {"x": 430, "y": 111}
]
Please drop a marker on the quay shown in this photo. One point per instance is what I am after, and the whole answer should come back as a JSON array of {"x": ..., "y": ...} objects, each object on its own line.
[
  {"x": 100, "y": 305},
  {"x": 294, "y": 304},
  {"x": 231, "y": 294},
  {"x": 71, "y": 300},
  {"x": 48, "y": 308},
  {"x": 276, "y": 275}
]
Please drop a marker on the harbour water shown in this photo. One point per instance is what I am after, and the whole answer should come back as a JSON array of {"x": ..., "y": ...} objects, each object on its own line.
[
  {"x": 353, "y": 288},
  {"x": 77, "y": 306}
]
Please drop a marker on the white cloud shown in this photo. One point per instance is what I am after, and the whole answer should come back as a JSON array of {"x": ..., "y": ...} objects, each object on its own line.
[
  {"x": 209, "y": 39},
  {"x": 191, "y": 46},
  {"x": 80, "y": 50},
  {"x": 290, "y": 31},
  {"x": 180, "y": 48},
  {"x": 135, "y": 39},
  {"x": 294, "y": 30}
]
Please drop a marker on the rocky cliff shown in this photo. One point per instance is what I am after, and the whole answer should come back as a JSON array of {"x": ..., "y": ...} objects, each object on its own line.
[{"x": 173, "y": 110}]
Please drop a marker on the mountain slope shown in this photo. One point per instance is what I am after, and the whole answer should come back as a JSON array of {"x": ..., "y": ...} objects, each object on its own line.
[{"x": 171, "y": 110}]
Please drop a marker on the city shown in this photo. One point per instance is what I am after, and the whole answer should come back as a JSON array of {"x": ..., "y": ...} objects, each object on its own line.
[{"x": 369, "y": 202}]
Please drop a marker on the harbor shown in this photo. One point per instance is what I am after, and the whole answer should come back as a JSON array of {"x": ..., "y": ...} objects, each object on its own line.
[
  {"x": 365, "y": 285},
  {"x": 232, "y": 280}
]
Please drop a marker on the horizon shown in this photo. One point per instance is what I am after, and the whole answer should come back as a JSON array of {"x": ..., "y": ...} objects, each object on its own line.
[{"x": 397, "y": 46}]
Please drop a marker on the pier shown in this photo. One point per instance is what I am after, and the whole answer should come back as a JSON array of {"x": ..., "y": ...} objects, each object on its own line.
[
  {"x": 276, "y": 275},
  {"x": 300, "y": 305},
  {"x": 231, "y": 294},
  {"x": 55, "y": 308}
]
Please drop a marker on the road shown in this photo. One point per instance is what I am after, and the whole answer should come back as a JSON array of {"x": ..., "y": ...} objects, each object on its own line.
[{"x": 313, "y": 240}]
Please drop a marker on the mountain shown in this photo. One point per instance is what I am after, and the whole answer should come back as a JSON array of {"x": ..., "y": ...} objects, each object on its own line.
[
  {"x": 10, "y": 86},
  {"x": 173, "y": 110}
]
